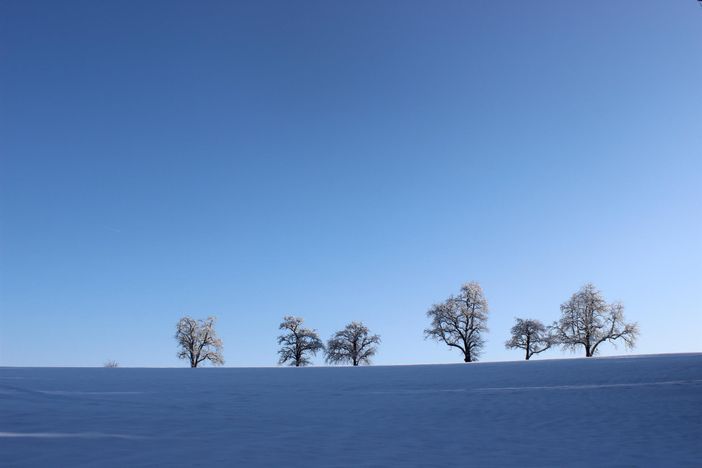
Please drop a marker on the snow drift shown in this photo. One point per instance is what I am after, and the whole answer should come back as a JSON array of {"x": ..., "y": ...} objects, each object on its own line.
[{"x": 643, "y": 411}]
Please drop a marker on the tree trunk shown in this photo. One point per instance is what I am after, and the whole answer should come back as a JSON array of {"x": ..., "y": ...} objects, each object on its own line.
[
  {"x": 527, "y": 354},
  {"x": 588, "y": 353}
]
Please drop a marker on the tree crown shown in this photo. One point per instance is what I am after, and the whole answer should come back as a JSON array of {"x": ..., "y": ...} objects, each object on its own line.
[
  {"x": 461, "y": 320},
  {"x": 198, "y": 341},
  {"x": 353, "y": 345},
  {"x": 298, "y": 342},
  {"x": 588, "y": 320}
]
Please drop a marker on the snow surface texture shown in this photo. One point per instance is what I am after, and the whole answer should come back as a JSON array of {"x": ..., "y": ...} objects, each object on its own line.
[{"x": 636, "y": 411}]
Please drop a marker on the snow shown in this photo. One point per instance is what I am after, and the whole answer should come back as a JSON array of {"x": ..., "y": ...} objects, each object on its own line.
[{"x": 642, "y": 411}]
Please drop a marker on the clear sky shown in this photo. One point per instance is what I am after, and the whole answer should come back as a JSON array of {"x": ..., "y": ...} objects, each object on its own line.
[{"x": 342, "y": 161}]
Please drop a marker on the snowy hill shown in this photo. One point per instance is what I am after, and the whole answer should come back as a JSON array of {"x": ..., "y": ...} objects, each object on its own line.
[{"x": 633, "y": 411}]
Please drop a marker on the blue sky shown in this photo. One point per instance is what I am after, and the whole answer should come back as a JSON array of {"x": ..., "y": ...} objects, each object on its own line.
[{"x": 342, "y": 161}]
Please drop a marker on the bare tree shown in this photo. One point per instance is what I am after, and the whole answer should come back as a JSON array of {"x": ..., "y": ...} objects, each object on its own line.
[
  {"x": 531, "y": 336},
  {"x": 111, "y": 364},
  {"x": 460, "y": 321},
  {"x": 297, "y": 343},
  {"x": 352, "y": 345},
  {"x": 588, "y": 320},
  {"x": 198, "y": 341}
]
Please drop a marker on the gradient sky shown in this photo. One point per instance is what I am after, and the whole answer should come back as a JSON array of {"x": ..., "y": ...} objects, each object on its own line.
[{"x": 342, "y": 161}]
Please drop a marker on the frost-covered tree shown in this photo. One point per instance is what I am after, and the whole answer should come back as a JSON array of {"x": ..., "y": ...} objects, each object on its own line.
[
  {"x": 111, "y": 364},
  {"x": 531, "y": 336},
  {"x": 198, "y": 341},
  {"x": 297, "y": 343},
  {"x": 352, "y": 345},
  {"x": 460, "y": 321},
  {"x": 587, "y": 320}
]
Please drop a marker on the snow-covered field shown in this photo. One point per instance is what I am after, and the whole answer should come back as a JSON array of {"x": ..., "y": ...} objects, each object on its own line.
[{"x": 635, "y": 411}]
